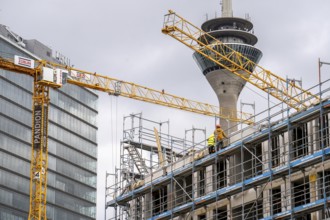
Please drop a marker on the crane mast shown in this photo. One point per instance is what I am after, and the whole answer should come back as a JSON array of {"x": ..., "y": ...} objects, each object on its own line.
[
  {"x": 227, "y": 58},
  {"x": 39, "y": 152}
]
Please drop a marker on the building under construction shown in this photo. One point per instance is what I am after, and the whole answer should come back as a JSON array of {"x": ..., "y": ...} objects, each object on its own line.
[
  {"x": 274, "y": 164},
  {"x": 275, "y": 167},
  {"x": 284, "y": 173}
]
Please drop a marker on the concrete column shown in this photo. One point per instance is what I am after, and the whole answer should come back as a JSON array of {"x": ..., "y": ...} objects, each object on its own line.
[
  {"x": 316, "y": 135},
  {"x": 328, "y": 138},
  {"x": 288, "y": 198},
  {"x": 209, "y": 213},
  {"x": 328, "y": 129},
  {"x": 209, "y": 179},
  {"x": 266, "y": 203},
  {"x": 229, "y": 210},
  {"x": 265, "y": 154},
  {"x": 227, "y": 170},
  {"x": 310, "y": 138},
  {"x": 195, "y": 186},
  {"x": 209, "y": 187},
  {"x": 282, "y": 149},
  {"x": 146, "y": 208},
  {"x": 286, "y": 147},
  {"x": 134, "y": 208},
  {"x": 170, "y": 196},
  {"x": 284, "y": 193},
  {"x": 313, "y": 190},
  {"x": 234, "y": 169}
]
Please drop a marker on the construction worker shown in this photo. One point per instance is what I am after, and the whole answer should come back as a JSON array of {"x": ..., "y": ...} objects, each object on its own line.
[{"x": 216, "y": 139}]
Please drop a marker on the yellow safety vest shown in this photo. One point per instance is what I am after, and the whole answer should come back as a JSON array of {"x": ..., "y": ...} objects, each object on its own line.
[
  {"x": 211, "y": 140},
  {"x": 220, "y": 135}
]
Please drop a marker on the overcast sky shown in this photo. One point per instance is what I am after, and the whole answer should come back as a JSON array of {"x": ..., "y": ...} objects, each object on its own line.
[{"x": 123, "y": 39}]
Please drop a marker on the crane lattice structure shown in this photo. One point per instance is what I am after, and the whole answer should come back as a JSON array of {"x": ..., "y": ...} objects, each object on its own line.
[{"x": 227, "y": 58}]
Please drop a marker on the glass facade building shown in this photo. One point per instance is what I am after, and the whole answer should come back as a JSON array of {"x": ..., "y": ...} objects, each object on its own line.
[{"x": 72, "y": 145}]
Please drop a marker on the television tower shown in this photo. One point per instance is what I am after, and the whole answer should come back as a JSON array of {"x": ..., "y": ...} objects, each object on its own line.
[{"x": 236, "y": 33}]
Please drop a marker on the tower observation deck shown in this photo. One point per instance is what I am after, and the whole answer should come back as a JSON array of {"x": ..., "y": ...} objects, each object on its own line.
[{"x": 236, "y": 33}]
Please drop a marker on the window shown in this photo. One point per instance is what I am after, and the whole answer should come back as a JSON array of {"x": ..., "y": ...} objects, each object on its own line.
[
  {"x": 324, "y": 190},
  {"x": 252, "y": 159},
  {"x": 257, "y": 160},
  {"x": 183, "y": 190},
  {"x": 159, "y": 201},
  {"x": 275, "y": 143},
  {"x": 299, "y": 141},
  {"x": 179, "y": 192},
  {"x": 137, "y": 209},
  {"x": 201, "y": 183},
  {"x": 220, "y": 174},
  {"x": 276, "y": 197},
  {"x": 188, "y": 188},
  {"x": 324, "y": 185},
  {"x": 252, "y": 210},
  {"x": 324, "y": 139},
  {"x": 301, "y": 195},
  {"x": 220, "y": 213}
]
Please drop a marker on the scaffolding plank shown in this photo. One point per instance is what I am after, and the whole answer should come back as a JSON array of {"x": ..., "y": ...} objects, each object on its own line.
[
  {"x": 309, "y": 207},
  {"x": 150, "y": 148}
]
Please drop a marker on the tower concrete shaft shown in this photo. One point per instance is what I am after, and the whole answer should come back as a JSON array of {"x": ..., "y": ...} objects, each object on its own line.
[{"x": 236, "y": 33}]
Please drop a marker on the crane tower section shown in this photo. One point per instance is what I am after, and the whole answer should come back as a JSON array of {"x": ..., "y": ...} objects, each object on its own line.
[{"x": 237, "y": 34}]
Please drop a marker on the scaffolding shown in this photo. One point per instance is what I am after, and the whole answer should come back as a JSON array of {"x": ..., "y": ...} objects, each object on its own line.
[
  {"x": 139, "y": 158},
  {"x": 277, "y": 168}
]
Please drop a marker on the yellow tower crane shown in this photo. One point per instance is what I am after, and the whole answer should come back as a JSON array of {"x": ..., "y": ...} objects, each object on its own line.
[
  {"x": 52, "y": 75},
  {"x": 224, "y": 56}
]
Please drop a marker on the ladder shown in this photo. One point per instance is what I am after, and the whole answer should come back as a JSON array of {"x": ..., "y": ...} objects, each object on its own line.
[
  {"x": 169, "y": 155},
  {"x": 137, "y": 159}
]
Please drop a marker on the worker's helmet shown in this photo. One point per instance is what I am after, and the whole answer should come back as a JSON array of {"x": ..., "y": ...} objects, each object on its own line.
[{"x": 218, "y": 126}]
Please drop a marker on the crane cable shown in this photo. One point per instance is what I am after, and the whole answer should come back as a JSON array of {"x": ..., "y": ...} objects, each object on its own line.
[
  {"x": 247, "y": 86},
  {"x": 116, "y": 140}
]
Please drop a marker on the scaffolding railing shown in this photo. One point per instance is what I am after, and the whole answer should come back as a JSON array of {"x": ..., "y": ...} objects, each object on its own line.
[
  {"x": 216, "y": 181},
  {"x": 255, "y": 164},
  {"x": 139, "y": 142}
]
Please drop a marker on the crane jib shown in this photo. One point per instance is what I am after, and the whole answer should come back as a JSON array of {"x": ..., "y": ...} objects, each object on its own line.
[{"x": 51, "y": 75}]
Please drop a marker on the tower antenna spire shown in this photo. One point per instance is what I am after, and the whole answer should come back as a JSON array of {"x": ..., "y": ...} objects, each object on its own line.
[{"x": 227, "y": 8}]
